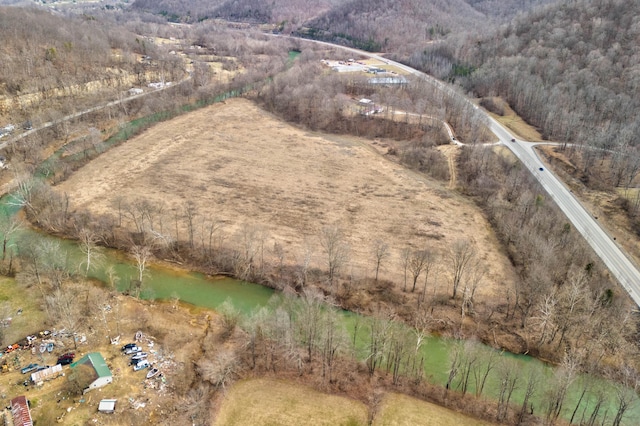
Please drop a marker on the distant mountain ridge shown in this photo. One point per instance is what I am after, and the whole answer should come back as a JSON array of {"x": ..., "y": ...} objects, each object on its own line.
[{"x": 370, "y": 24}]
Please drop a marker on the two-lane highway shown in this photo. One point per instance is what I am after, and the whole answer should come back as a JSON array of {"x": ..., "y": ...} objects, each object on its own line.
[{"x": 604, "y": 246}]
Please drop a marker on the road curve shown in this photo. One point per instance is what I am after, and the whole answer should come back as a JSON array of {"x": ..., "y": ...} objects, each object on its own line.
[{"x": 605, "y": 247}]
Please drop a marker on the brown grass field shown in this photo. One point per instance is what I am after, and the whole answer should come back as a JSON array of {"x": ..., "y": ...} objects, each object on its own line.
[
  {"x": 272, "y": 402},
  {"x": 401, "y": 410},
  {"x": 243, "y": 166},
  {"x": 267, "y": 401}
]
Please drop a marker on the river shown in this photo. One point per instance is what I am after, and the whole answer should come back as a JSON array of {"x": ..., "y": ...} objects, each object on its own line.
[{"x": 210, "y": 292}]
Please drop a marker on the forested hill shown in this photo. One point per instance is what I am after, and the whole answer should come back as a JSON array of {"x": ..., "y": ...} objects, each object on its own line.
[
  {"x": 41, "y": 51},
  {"x": 285, "y": 12},
  {"x": 370, "y": 24},
  {"x": 572, "y": 69},
  {"x": 402, "y": 26}
]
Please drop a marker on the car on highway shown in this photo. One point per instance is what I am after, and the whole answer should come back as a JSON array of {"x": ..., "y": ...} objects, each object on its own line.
[
  {"x": 541, "y": 169},
  {"x": 513, "y": 140},
  {"x": 29, "y": 368}
]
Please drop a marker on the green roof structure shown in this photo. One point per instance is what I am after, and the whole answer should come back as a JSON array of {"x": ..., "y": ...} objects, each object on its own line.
[{"x": 97, "y": 362}]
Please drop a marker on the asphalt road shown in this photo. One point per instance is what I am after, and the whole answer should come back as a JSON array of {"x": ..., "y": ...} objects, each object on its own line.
[
  {"x": 605, "y": 247},
  {"x": 613, "y": 257}
]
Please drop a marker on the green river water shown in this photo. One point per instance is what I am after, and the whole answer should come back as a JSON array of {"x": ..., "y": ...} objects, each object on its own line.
[{"x": 210, "y": 292}]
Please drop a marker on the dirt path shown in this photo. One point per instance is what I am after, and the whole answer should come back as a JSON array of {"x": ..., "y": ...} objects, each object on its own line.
[{"x": 451, "y": 152}]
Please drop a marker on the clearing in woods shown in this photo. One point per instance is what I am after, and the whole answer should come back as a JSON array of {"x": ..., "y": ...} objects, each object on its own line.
[{"x": 243, "y": 166}]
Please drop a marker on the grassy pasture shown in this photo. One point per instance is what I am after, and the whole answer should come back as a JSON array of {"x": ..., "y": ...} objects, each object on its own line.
[
  {"x": 273, "y": 402},
  {"x": 402, "y": 410}
]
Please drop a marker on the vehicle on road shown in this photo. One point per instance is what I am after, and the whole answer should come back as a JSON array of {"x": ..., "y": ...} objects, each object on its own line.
[
  {"x": 541, "y": 169},
  {"x": 29, "y": 368},
  {"x": 513, "y": 140}
]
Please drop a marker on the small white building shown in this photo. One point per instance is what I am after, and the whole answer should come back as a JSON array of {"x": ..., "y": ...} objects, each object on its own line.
[
  {"x": 46, "y": 374},
  {"x": 107, "y": 406},
  {"x": 102, "y": 375},
  {"x": 368, "y": 107}
]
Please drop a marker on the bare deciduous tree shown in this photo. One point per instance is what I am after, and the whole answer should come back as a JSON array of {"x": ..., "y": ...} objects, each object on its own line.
[
  {"x": 93, "y": 255},
  {"x": 221, "y": 369},
  {"x": 142, "y": 255},
  {"x": 332, "y": 240},
  {"x": 380, "y": 252},
  {"x": 461, "y": 254},
  {"x": 417, "y": 262},
  {"x": 509, "y": 375}
]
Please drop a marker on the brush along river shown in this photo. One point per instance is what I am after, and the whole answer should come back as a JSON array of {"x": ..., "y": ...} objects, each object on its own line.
[{"x": 436, "y": 352}]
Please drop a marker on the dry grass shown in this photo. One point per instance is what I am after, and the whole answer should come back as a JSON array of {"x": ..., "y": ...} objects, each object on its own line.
[
  {"x": 241, "y": 165},
  {"x": 14, "y": 297},
  {"x": 402, "y": 410},
  {"x": 517, "y": 125},
  {"x": 601, "y": 203},
  {"x": 271, "y": 402}
]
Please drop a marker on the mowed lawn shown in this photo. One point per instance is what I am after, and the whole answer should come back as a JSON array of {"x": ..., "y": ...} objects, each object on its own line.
[
  {"x": 271, "y": 402},
  {"x": 402, "y": 410}
]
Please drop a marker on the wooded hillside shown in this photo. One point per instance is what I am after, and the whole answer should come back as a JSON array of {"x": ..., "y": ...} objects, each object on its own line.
[
  {"x": 405, "y": 26},
  {"x": 41, "y": 51},
  {"x": 254, "y": 11},
  {"x": 572, "y": 70}
]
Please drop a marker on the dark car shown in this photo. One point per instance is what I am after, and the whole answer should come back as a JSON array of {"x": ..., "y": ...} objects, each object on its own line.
[
  {"x": 513, "y": 140},
  {"x": 541, "y": 169},
  {"x": 128, "y": 346},
  {"x": 29, "y": 368},
  {"x": 132, "y": 350},
  {"x": 66, "y": 358}
]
